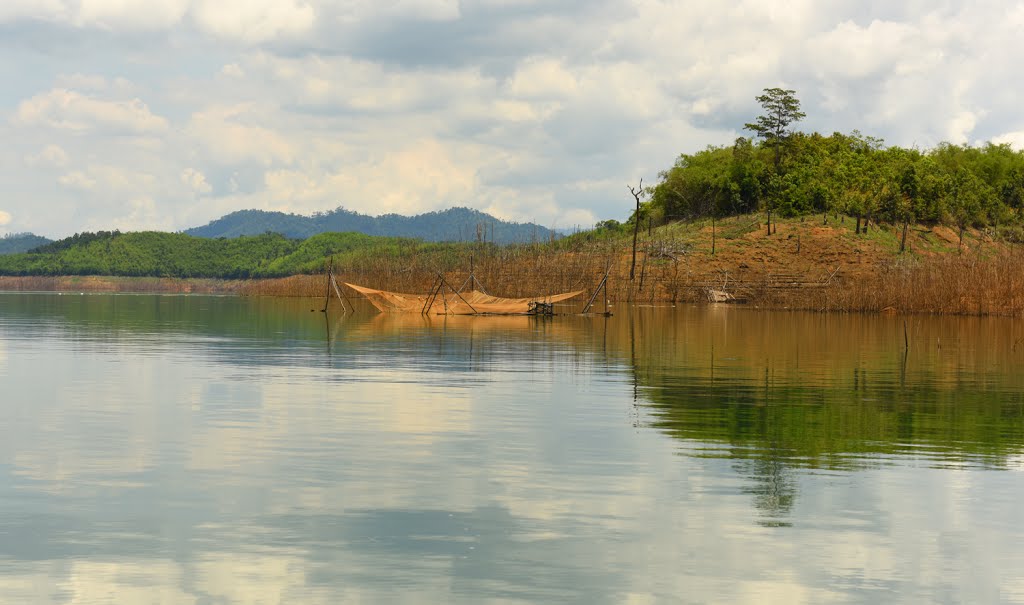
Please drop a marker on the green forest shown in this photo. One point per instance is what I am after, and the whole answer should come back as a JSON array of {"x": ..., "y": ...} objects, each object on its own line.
[
  {"x": 780, "y": 170},
  {"x": 269, "y": 254},
  {"x": 153, "y": 253}
]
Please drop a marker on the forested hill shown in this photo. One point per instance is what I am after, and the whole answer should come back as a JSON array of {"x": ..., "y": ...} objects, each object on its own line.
[
  {"x": 160, "y": 254},
  {"x": 452, "y": 225},
  {"x": 21, "y": 242},
  {"x": 852, "y": 174},
  {"x": 784, "y": 171}
]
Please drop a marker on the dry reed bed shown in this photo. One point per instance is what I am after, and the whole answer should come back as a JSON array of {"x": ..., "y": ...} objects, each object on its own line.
[
  {"x": 951, "y": 284},
  {"x": 960, "y": 285}
]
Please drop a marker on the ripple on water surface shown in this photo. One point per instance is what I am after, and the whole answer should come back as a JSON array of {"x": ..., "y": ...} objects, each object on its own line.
[{"x": 205, "y": 449}]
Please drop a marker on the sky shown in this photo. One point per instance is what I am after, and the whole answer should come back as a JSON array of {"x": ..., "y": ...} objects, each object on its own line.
[{"x": 166, "y": 114}]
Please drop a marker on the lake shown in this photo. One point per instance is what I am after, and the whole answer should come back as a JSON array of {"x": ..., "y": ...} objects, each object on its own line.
[{"x": 211, "y": 450}]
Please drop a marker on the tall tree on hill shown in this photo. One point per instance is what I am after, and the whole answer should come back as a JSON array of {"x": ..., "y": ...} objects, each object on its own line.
[{"x": 781, "y": 108}]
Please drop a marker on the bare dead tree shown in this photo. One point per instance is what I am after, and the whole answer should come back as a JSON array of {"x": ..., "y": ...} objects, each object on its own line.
[
  {"x": 712, "y": 234},
  {"x": 637, "y": 193}
]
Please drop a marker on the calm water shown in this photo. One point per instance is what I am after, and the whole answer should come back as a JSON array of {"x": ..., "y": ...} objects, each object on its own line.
[{"x": 162, "y": 449}]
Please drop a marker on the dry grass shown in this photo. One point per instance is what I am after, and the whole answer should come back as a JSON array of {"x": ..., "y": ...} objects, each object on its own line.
[
  {"x": 961, "y": 285},
  {"x": 308, "y": 286}
]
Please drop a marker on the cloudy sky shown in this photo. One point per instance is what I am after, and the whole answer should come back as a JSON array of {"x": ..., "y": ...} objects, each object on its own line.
[{"x": 165, "y": 114}]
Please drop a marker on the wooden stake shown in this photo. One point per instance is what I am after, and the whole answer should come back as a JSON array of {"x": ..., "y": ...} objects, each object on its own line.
[
  {"x": 712, "y": 235},
  {"x": 431, "y": 296},
  {"x": 600, "y": 286},
  {"x": 607, "y": 313},
  {"x": 445, "y": 282},
  {"x": 327, "y": 287},
  {"x": 337, "y": 290}
]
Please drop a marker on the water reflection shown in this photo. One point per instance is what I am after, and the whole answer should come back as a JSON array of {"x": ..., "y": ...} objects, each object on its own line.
[
  {"x": 205, "y": 450},
  {"x": 851, "y": 398}
]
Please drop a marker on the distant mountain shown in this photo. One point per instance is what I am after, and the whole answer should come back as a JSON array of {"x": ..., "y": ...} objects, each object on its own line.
[
  {"x": 452, "y": 225},
  {"x": 14, "y": 243}
]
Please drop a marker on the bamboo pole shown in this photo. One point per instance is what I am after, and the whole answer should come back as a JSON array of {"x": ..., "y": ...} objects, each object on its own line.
[
  {"x": 337, "y": 291},
  {"x": 431, "y": 296},
  {"x": 327, "y": 287},
  {"x": 445, "y": 282}
]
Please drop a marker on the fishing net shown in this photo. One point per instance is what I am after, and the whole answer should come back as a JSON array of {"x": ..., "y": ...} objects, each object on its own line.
[{"x": 447, "y": 302}]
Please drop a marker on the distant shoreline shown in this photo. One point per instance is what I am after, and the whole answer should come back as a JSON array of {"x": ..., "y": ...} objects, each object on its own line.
[
  {"x": 117, "y": 284},
  {"x": 810, "y": 265}
]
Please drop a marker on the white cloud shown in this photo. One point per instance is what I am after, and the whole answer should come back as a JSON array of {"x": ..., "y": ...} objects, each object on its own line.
[
  {"x": 422, "y": 176},
  {"x": 70, "y": 110},
  {"x": 247, "y": 21},
  {"x": 339, "y": 84},
  {"x": 254, "y": 21},
  {"x": 131, "y": 15},
  {"x": 77, "y": 180},
  {"x": 576, "y": 217},
  {"x": 233, "y": 134},
  {"x": 960, "y": 127},
  {"x": 1013, "y": 139},
  {"x": 232, "y": 70},
  {"x": 13, "y": 10},
  {"x": 82, "y": 82},
  {"x": 109, "y": 15},
  {"x": 140, "y": 212},
  {"x": 535, "y": 205},
  {"x": 95, "y": 83},
  {"x": 109, "y": 179},
  {"x": 542, "y": 77},
  {"x": 429, "y": 10},
  {"x": 852, "y": 51},
  {"x": 356, "y": 11},
  {"x": 51, "y": 155},
  {"x": 411, "y": 105},
  {"x": 195, "y": 180}
]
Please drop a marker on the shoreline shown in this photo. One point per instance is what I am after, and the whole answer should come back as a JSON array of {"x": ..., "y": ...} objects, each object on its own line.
[
  {"x": 823, "y": 266},
  {"x": 118, "y": 284},
  {"x": 889, "y": 294}
]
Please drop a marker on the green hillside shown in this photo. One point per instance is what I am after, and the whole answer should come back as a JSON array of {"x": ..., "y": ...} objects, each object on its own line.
[
  {"x": 790, "y": 173},
  {"x": 180, "y": 255}
]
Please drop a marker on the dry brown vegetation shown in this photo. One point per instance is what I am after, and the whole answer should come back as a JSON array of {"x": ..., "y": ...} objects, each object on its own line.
[
  {"x": 962, "y": 285},
  {"x": 805, "y": 264}
]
